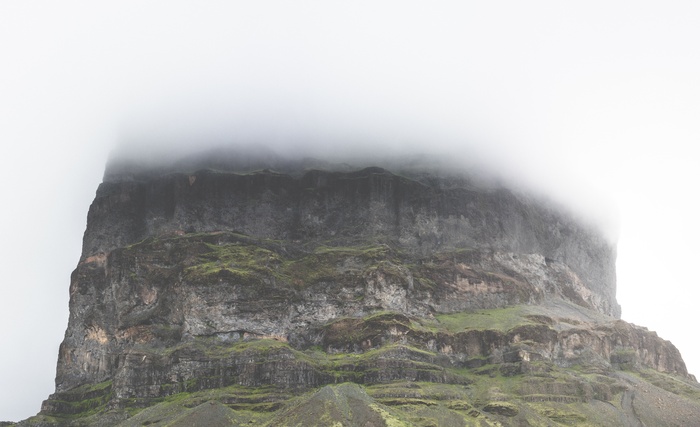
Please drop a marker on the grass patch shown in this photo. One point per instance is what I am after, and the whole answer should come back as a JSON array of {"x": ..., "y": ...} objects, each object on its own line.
[
  {"x": 670, "y": 383},
  {"x": 500, "y": 319},
  {"x": 237, "y": 261},
  {"x": 228, "y": 256},
  {"x": 82, "y": 401}
]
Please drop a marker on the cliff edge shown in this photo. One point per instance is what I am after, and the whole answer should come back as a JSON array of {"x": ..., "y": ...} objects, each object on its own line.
[{"x": 255, "y": 285}]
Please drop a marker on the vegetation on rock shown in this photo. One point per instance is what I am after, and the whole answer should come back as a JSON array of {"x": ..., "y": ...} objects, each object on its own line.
[{"x": 350, "y": 299}]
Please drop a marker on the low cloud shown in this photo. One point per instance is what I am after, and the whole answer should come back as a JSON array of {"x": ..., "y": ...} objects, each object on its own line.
[{"x": 368, "y": 130}]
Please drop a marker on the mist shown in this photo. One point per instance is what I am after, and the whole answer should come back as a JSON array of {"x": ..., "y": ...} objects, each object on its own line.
[
  {"x": 594, "y": 105},
  {"x": 169, "y": 144}
]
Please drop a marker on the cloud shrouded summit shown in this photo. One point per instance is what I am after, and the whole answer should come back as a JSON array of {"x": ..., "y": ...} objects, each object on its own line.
[{"x": 594, "y": 104}]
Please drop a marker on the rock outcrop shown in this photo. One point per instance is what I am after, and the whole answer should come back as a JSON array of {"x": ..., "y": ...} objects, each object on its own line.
[{"x": 438, "y": 300}]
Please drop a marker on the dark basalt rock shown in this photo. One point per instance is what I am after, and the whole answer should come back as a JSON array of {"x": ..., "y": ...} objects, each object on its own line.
[{"x": 349, "y": 207}]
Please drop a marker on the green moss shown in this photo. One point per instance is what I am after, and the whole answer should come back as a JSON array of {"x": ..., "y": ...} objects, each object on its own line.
[
  {"x": 670, "y": 383},
  {"x": 214, "y": 348},
  {"x": 348, "y": 332},
  {"x": 389, "y": 419},
  {"x": 544, "y": 395},
  {"x": 243, "y": 263},
  {"x": 419, "y": 390},
  {"x": 485, "y": 398},
  {"x": 501, "y": 319},
  {"x": 333, "y": 263},
  {"x": 93, "y": 388},
  {"x": 244, "y": 260},
  {"x": 83, "y": 401},
  {"x": 251, "y": 405},
  {"x": 260, "y": 346},
  {"x": 364, "y": 252},
  {"x": 505, "y": 409}
]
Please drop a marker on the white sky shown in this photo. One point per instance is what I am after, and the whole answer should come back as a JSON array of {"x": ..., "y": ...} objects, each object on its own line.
[{"x": 597, "y": 102}]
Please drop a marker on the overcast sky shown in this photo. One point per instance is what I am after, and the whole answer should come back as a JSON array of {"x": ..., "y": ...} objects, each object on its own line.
[{"x": 595, "y": 102}]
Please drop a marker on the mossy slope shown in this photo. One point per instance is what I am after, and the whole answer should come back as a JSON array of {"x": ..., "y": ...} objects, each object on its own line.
[
  {"x": 224, "y": 329},
  {"x": 396, "y": 383}
]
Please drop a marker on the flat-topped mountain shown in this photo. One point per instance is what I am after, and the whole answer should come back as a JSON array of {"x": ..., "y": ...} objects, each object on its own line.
[{"x": 235, "y": 289}]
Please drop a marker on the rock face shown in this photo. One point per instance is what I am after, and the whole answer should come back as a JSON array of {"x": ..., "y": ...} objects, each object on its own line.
[
  {"x": 419, "y": 217},
  {"x": 449, "y": 303}
]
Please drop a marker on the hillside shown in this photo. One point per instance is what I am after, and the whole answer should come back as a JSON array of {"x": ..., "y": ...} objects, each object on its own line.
[{"x": 252, "y": 290}]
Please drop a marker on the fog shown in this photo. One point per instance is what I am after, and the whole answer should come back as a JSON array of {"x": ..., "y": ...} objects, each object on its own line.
[{"x": 594, "y": 104}]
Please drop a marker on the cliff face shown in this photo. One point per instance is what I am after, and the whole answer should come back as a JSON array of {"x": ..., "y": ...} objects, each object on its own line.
[
  {"x": 243, "y": 289},
  {"x": 419, "y": 217}
]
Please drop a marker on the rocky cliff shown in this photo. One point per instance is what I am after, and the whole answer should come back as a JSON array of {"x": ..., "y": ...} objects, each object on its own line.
[{"x": 229, "y": 290}]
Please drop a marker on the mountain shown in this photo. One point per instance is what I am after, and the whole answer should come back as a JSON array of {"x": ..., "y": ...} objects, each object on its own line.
[{"x": 242, "y": 288}]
